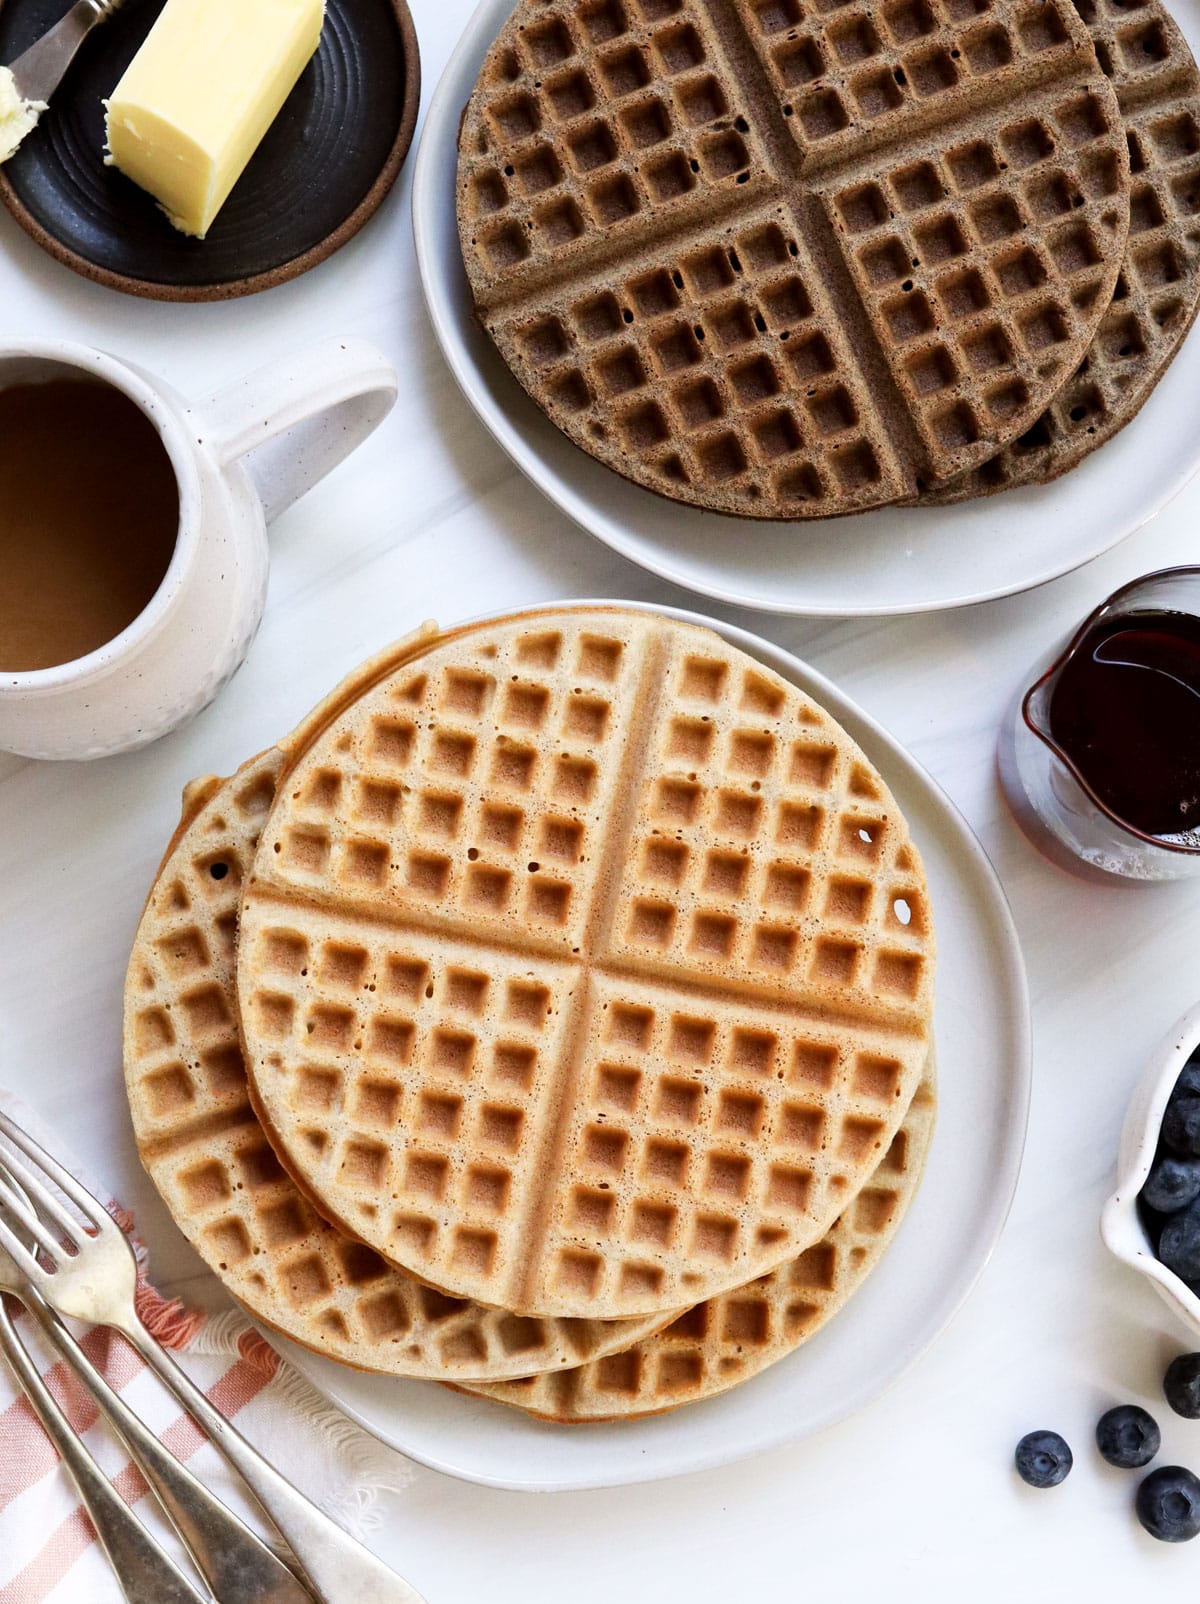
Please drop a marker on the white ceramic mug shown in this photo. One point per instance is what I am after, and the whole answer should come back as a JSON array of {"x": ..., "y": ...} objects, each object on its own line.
[{"x": 240, "y": 457}]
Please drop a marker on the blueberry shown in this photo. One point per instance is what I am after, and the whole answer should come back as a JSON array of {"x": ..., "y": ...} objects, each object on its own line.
[
  {"x": 1127, "y": 1436},
  {"x": 1168, "y": 1504},
  {"x": 1181, "y": 1124},
  {"x": 1043, "y": 1459},
  {"x": 1172, "y": 1184},
  {"x": 1182, "y": 1385},
  {"x": 1188, "y": 1084},
  {"x": 1179, "y": 1244}
]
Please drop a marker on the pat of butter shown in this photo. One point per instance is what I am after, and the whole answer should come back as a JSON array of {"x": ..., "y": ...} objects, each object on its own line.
[
  {"x": 18, "y": 116},
  {"x": 196, "y": 100}
]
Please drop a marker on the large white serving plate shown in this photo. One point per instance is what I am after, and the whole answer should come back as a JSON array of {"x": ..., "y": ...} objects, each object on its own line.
[
  {"x": 897, "y": 560},
  {"x": 983, "y": 1059}
]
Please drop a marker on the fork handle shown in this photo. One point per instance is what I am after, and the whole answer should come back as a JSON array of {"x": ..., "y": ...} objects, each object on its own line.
[
  {"x": 238, "y": 1566},
  {"x": 147, "y": 1574},
  {"x": 339, "y": 1568}
]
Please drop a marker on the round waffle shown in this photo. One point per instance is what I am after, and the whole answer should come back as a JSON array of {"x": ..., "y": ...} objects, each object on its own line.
[
  {"x": 1157, "y": 293},
  {"x": 204, "y": 1149},
  {"x": 585, "y": 966},
  {"x": 785, "y": 260},
  {"x": 721, "y": 1343}
]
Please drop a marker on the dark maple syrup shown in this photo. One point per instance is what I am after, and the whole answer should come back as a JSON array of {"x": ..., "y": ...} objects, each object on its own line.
[{"x": 1126, "y": 711}]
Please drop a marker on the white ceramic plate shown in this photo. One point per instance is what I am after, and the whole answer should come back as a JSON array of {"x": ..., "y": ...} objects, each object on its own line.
[
  {"x": 896, "y": 560},
  {"x": 983, "y": 1057}
]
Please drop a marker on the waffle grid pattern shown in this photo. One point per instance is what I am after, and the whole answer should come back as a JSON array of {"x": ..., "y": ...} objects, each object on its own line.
[
  {"x": 724, "y": 1341},
  {"x": 181, "y": 1043},
  {"x": 415, "y": 1073},
  {"x": 694, "y": 383},
  {"x": 209, "y": 1157},
  {"x": 682, "y": 1117},
  {"x": 517, "y": 756},
  {"x": 415, "y": 1084},
  {"x": 985, "y": 263},
  {"x": 594, "y": 116},
  {"x": 765, "y": 850},
  {"x": 732, "y": 366},
  {"x": 849, "y": 75},
  {"x": 1157, "y": 293}
]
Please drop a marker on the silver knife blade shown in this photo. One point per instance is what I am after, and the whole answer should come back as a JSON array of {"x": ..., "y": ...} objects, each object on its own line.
[{"x": 39, "y": 70}]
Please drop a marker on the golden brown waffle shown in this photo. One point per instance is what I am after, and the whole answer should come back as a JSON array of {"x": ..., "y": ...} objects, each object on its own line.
[
  {"x": 585, "y": 966},
  {"x": 1158, "y": 290},
  {"x": 792, "y": 260},
  {"x": 723, "y": 1342},
  {"x": 206, "y": 1152}
]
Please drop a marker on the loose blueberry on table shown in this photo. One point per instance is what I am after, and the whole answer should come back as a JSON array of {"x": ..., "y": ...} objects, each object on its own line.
[
  {"x": 1043, "y": 1459},
  {"x": 1168, "y": 1504},
  {"x": 1128, "y": 1436}
]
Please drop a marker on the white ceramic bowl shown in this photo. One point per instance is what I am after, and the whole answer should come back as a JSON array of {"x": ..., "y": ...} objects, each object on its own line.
[{"x": 1120, "y": 1224}]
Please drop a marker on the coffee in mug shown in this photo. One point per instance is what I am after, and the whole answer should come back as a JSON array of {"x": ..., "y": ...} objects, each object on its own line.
[
  {"x": 89, "y": 513},
  {"x": 126, "y": 508}
]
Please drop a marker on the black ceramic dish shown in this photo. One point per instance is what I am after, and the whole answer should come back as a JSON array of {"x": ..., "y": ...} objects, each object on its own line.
[{"x": 326, "y": 163}]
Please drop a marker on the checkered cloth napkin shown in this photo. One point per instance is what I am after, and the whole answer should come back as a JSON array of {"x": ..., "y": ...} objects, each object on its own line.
[{"x": 48, "y": 1549}]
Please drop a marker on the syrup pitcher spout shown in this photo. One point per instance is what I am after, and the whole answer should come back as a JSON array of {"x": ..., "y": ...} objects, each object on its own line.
[
  {"x": 1100, "y": 756},
  {"x": 1035, "y": 703}
]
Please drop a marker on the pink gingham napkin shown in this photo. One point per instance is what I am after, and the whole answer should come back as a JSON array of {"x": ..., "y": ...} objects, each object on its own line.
[{"x": 48, "y": 1550}]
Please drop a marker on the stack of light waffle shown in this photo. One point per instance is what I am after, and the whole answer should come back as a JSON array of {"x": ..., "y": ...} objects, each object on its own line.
[
  {"x": 549, "y": 1014},
  {"x": 799, "y": 258}
]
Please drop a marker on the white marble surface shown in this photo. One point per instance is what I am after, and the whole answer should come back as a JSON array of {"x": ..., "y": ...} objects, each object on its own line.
[{"x": 914, "y": 1498}]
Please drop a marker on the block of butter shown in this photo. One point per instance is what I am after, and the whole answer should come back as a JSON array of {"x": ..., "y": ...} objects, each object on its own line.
[{"x": 196, "y": 100}]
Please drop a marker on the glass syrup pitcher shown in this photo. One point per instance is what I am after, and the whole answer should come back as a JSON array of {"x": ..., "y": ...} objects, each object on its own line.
[{"x": 1099, "y": 758}]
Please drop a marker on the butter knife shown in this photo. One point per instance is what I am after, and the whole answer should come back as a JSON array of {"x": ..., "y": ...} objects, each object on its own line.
[{"x": 39, "y": 70}]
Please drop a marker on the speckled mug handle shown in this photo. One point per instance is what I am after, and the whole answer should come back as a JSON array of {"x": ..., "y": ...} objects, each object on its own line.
[{"x": 291, "y": 422}]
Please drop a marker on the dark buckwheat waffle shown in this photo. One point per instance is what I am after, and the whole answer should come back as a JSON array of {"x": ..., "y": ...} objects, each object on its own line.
[
  {"x": 206, "y": 1152},
  {"x": 719, "y": 1344},
  {"x": 585, "y": 966},
  {"x": 788, "y": 260},
  {"x": 1157, "y": 293}
]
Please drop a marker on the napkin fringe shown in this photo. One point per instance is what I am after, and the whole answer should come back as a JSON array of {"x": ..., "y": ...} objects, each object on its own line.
[{"x": 373, "y": 1467}]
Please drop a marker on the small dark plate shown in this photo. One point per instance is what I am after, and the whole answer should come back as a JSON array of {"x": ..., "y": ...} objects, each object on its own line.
[{"x": 327, "y": 161}]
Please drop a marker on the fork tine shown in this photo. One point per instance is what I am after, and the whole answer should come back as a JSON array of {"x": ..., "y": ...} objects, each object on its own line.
[
  {"x": 10, "y": 1204},
  {"x": 39, "y": 1196},
  {"x": 20, "y": 1252},
  {"x": 89, "y": 1206}
]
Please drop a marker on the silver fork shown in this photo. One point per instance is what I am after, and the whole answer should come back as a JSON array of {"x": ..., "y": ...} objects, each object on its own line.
[
  {"x": 237, "y": 1565},
  {"x": 146, "y": 1572},
  {"x": 91, "y": 1274}
]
